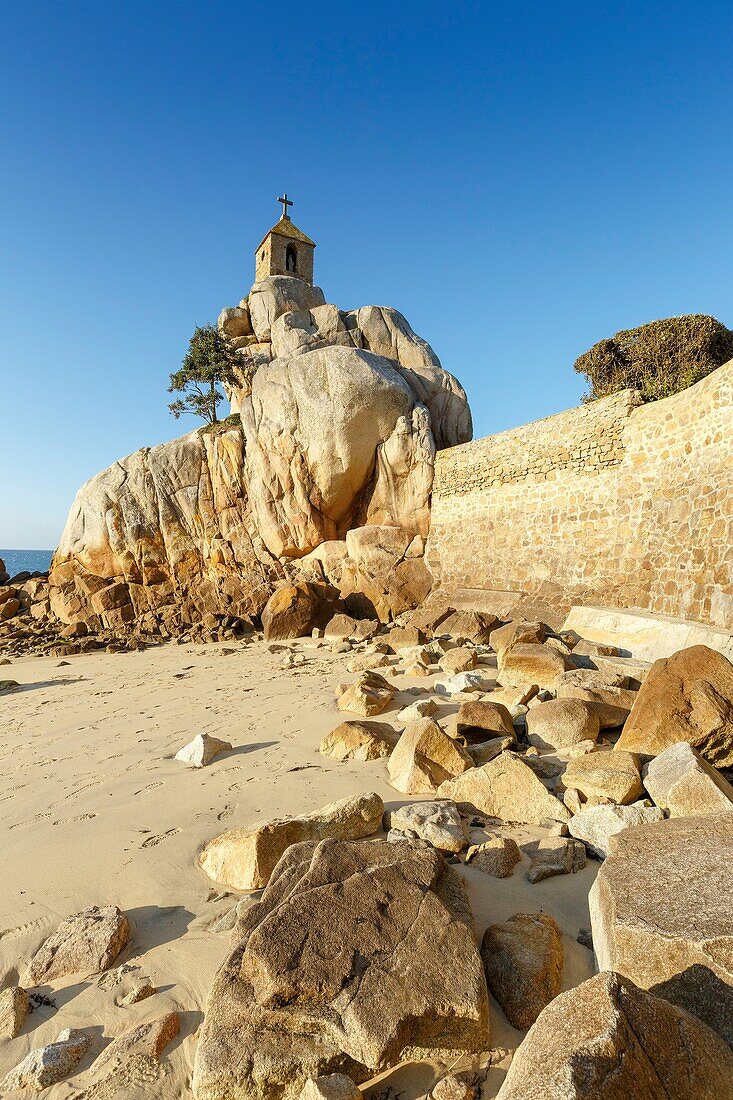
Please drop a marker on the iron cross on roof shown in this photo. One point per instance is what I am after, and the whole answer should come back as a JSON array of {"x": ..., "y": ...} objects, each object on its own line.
[{"x": 286, "y": 203}]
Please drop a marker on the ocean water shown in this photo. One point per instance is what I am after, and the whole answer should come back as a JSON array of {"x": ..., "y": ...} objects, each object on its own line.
[{"x": 18, "y": 561}]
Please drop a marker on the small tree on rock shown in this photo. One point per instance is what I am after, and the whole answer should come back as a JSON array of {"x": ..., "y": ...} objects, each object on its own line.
[{"x": 208, "y": 362}]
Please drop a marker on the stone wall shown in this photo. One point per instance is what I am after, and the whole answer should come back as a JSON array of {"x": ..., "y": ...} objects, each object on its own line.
[{"x": 613, "y": 503}]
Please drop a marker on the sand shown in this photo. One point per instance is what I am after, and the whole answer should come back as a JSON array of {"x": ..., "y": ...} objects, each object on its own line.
[{"x": 94, "y": 810}]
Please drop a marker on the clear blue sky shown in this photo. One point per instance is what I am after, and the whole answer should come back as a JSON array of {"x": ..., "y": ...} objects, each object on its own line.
[{"x": 519, "y": 179}]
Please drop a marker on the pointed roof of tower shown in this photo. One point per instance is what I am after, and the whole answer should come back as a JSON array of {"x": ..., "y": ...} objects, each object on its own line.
[{"x": 285, "y": 228}]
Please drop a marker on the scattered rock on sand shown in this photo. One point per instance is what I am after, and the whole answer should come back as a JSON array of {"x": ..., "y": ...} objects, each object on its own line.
[
  {"x": 334, "y": 1086},
  {"x": 201, "y": 751},
  {"x": 523, "y": 959},
  {"x": 423, "y": 708},
  {"x": 686, "y": 697},
  {"x": 438, "y": 822},
  {"x": 681, "y": 781},
  {"x": 368, "y": 696},
  {"x": 595, "y": 825},
  {"x": 463, "y": 681},
  {"x": 477, "y": 718},
  {"x": 497, "y": 856},
  {"x": 359, "y": 741},
  {"x": 613, "y": 775},
  {"x": 13, "y": 1011},
  {"x": 489, "y": 750},
  {"x": 245, "y": 858},
  {"x": 525, "y": 663},
  {"x": 556, "y": 856},
  {"x": 48, "y": 1065},
  {"x": 662, "y": 916},
  {"x": 505, "y": 788},
  {"x": 608, "y": 1040},
  {"x": 149, "y": 1040},
  {"x": 460, "y": 659},
  {"x": 457, "y": 1086},
  {"x": 561, "y": 723},
  {"x": 307, "y": 988},
  {"x": 86, "y": 943},
  {"x": 425, "y": 756}
]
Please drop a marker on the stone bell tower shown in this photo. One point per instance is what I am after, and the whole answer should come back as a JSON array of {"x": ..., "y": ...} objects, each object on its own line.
[{"x": 285, "y": 250}]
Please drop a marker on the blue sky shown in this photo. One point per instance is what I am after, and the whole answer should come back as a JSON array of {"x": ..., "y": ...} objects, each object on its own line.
[{"x": 519, "y": 179}]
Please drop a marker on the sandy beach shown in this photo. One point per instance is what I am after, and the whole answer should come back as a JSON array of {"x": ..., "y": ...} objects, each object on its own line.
[{"x": 96, "y": 811}]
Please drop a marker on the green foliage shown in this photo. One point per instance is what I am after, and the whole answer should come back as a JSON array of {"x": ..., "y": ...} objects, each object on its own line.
[
  {"x": 658, "y": 359},
  {"x": 208, "y": 362},
  {"x": 225, "y": 425}
]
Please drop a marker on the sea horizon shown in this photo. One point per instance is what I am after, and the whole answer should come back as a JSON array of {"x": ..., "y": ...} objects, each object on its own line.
[{"x": 21, "y": 561}]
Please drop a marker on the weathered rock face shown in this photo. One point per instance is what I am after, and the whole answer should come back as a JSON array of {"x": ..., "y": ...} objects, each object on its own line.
[
  {"x": 164, "y": 535},
  {"x": 308, "y": 990},
  {"x": 661, "y": 913},
  {"x": 686, "y": 697},
  {"x": 608, "y": 1040},
  {"x": 86, "y": 943},
  {"x": 597, "y": 824},
  {"x": 341, "y": 415},
  {"x": 505, "y": 788},
  {"x": 523, "y": 960},
  {"x": 682, "y": 782}
]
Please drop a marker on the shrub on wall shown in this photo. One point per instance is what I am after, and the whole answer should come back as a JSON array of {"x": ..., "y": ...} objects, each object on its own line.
[{"x": 657, "y": 359}]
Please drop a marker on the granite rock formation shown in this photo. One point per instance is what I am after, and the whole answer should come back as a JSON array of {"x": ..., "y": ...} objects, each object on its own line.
[{"x": 341, "y": 417}]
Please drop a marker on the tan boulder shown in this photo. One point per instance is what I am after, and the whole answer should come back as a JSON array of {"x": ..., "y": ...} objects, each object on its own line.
[
  {"x": 87, "y": 943},
  {"x": 421, "y": 708},
  {"x": 474, "y": 626},
  {"x": 460, "y": 659},
  {"x": 146, "y": 1040},
  {"x": 359, "y": 741},
  {"x": 523, "y": 961},
  {"x": 555, "y": 855},
  {"x": 340, "y": 626},
  {"x": 293, "y": 610},
  {"x": 477, "y": 718},
  {"x": 662, "y": 916},
  {"x": 561, "y": 723},
  {"x": 425, "y": 756},
  {"x": 308, "y": 990},
  {"x": 681, "y": 780},
  {"x": 369, "y": 695},
  {"x": 526, "y": 663},
  {"x": 13, "y": 1011},
  {"x": 596, "y": 825},
  {"x": 485, "y": 751},
  {"x": 518, "y": 630},
  {"x": 607, "y": 1040},
  {"x": 686, "y": 697},
  {"x": 507, "y": 789},
  {"x": 244, "y": 859},
  {"x": 612, "y": 775},
  {"x": 497, "y": 856},
  {"x": 404, "y": 637}
]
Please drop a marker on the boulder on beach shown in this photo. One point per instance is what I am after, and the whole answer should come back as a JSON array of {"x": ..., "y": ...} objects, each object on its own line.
[
  {"x": 308, "y": 990},
  {"x": 87, "y": 943}
]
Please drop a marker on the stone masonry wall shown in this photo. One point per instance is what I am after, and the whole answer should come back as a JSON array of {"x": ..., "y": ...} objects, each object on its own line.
[{"x": 612, "y": 503}]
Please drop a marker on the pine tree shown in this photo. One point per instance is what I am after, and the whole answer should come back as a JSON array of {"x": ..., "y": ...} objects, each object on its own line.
[{"x": 208, "y": 362}]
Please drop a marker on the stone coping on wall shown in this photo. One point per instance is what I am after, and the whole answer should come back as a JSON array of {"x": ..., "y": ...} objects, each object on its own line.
[{"x": 643, "y": 635}]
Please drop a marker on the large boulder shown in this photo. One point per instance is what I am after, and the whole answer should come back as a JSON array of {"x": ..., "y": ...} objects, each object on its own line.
[
  {"x": 358, "y": 955},
  {"x": 313, "y": 424},
  {"x": 662, "y": 916},
  {"x": 605, "y": 775},
  {"x": 87, "y": 943},
  {"x": 523, "y": 959},
  {"x": 359, "y": 741},
  {"x": 424, "y": 757},
  {"x": 245, "y": 858},
  {"x": 561, "y": 723},
  {"x": 682, "y": 782},
  {"x": 686, "y": 697},
  {"x": 607, "y": 1040},
  {"x": 276, "y": 295},
  {"x": 528, "y": 663},
  {"x": 507, "y": 789},
  {"x": 596, "y": 825},
  {"x": 165, "y": 535},
  {"x": 293, "y": 610}
]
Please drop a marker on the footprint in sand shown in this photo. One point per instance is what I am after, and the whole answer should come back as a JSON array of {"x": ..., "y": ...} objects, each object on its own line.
[
  {"x": 150, "y": 787},
  {"x": 153, "y": 840},
  {"x": 71, "y": 820},
  {"x": 22, "y": 929},
  {"x": 226, "y": 812}
]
